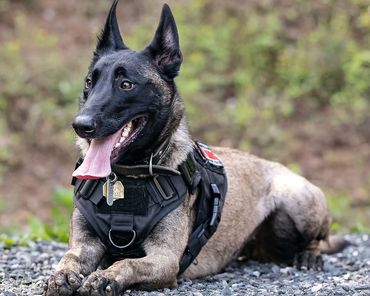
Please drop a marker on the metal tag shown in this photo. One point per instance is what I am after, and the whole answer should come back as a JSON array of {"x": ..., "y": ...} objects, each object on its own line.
[
  {"x": 118, "y": 190},
  {"x": 113, "y": 190}
]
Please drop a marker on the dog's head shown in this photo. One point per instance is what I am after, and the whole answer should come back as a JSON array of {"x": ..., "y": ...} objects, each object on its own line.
[{"x": 129, "y": 96}]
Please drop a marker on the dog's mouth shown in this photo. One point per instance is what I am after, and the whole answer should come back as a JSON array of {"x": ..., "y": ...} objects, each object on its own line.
[
  {"x": 127, "y": 134},
  {"x": 103, "y": 152}
]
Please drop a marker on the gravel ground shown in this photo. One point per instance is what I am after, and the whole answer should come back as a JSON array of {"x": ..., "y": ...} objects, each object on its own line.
[{"x": 23, "y": 271}]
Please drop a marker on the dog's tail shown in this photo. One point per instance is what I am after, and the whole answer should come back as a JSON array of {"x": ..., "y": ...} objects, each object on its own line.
[{"x": 334, "y": 244}]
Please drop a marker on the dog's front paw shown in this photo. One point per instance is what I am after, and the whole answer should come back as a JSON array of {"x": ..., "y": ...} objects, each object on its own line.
[
  {"x": 99, "y": 283},
  {"x": 308, "y": 260},
  {"x": 62, "y": 283}
]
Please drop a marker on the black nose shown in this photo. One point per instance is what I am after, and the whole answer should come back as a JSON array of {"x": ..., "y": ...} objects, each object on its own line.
[{"x": 84, "y": 126}]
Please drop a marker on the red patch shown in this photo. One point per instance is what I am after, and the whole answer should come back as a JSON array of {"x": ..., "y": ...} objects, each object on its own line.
[{"x": 209, "y": 155}]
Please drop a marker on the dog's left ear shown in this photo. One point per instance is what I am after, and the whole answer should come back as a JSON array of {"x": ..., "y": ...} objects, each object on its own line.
[{"x": 165, "y": 47}]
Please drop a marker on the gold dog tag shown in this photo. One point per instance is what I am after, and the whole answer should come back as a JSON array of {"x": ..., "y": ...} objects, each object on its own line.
[
  {"x": 118, "y": 190},
  {"x": 113, "y": 190}
]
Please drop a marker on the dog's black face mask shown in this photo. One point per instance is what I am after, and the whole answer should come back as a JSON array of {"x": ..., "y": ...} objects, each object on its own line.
[{"x": 128, "y": 96}]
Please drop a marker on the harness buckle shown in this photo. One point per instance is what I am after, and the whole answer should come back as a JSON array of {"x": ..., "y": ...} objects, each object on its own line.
[
  {"x": 216, "y": 209},
  {"x": 160, "y": 189}
]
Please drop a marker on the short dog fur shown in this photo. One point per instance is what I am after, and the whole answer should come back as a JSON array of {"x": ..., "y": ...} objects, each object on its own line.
[{"x": 270, "y": 213}]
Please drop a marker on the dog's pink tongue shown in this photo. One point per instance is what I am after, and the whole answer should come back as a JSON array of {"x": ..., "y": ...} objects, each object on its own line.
[{"x": 96, "y": 163}]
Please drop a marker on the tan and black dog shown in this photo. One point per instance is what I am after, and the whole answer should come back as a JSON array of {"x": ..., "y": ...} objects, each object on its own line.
[{"x": 130, "y": 107}]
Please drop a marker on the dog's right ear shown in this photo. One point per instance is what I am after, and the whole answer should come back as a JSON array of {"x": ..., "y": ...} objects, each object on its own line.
[{"x": 110, "y": 38}]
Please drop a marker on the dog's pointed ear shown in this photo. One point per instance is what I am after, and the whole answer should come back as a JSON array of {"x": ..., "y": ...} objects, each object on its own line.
[
  {"x": 110, "y": 38},
  {"x": 165, "y": 47}
]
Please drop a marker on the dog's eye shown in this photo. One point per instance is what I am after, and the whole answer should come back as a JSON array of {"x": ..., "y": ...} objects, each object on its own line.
[
  {"x": 127, "y": 85},
  {"x": 88, "y": 83}
]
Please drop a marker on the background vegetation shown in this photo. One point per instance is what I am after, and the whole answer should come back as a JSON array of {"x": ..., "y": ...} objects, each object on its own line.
[{"x": 286, "y": 80}]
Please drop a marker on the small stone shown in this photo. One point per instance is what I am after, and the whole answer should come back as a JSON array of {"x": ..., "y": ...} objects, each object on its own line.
[
  {"x": 286, "y": 270},
  {"x": 316, "y": 288},
  {"x": 256, "y": 273},
  {"x": 226, "y": 291}
]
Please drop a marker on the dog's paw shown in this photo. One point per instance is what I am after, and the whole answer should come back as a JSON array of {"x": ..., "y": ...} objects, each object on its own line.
[
  {"x": 99, "y": 283},
  {"x": 308, "y": 260},
  {"x": 62, "y": 283}
]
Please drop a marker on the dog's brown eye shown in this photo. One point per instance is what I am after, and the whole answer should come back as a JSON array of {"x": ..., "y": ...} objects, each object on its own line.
[
  {"x": 127, "y": 85},
  {"x": 88, "y": 83}
]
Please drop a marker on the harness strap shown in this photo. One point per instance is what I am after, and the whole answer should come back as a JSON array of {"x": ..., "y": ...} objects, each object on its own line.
[
  {"x": 199, "y": 237},
  {"x": 190, "y": 173},
  {"x": 122, "y": 234},
  {"x": 144, "y": 170},
  {"x": 209, "y": 208}
]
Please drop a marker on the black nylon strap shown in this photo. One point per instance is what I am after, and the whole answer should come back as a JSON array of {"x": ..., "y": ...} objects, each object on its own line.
[
  {"x": 122, "y": 223},
  {"x": 209, "y": 207},
  {"x": 143, "y": 170}
]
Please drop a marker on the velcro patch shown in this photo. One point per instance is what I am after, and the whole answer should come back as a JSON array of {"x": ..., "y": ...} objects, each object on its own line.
[{"x": 208, "y": 155}]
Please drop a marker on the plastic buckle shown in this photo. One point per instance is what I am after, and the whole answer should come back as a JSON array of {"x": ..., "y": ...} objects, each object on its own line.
[
  {"x": 216, "y": 213},
  {"x": 160, "y": 189}
]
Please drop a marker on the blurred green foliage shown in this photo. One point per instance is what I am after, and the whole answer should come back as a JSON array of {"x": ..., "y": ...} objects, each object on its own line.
[
  {"x": 57, "y": 229},
  {"x": 248, "y": 66},
  {"x": 347, "y": 218},
  {"x": 38, "y": 93}
]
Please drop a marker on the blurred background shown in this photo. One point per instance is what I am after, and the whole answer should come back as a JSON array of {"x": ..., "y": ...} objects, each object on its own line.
[{"x": 287, "y": 80}]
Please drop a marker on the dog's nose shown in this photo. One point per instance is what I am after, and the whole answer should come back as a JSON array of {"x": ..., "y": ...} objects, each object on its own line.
[{"x": 84, "y": 126}]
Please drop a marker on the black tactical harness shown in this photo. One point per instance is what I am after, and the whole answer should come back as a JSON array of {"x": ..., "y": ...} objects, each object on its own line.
[{"x": 150, "y": 193}]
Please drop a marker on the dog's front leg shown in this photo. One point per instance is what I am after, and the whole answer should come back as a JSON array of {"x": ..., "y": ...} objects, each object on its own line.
[
  {"x": 154, "y": 271},
  {"x": 158, "y": 269},
  {"x": 82, "y": 258}
]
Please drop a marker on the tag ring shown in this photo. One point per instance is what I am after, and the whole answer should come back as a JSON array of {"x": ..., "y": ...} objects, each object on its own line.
[
  {"x": 114, "y": 177},
  {"x": 124, "y": 246}
]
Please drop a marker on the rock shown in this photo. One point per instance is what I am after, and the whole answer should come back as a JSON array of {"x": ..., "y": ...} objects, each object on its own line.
[
  {"x": 256, "y": 273},
  {"x": 316, "y": 288}
]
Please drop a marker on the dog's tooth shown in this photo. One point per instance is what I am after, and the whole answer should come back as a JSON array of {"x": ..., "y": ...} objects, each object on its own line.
[
  {"x": 125, "y": 133},
  {"x": 117, "y": 145},
  {"x": 122, "y": 139}
]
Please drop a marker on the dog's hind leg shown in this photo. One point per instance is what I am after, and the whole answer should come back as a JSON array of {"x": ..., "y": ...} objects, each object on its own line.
[
  {"x": 292, "y": 232},
  {"x": 82, "y": 258}
]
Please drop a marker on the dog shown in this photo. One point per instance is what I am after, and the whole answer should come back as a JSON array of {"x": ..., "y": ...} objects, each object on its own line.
[{"x": 129, "y": 107}]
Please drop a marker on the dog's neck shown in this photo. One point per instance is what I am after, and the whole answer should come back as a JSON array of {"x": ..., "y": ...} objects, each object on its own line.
[{"x": 180, "y": 146}]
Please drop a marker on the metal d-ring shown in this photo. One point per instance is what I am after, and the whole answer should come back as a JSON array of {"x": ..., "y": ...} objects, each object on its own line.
[
  {"x": 125, "y": 246},
  {"x": 151, "y": 165}
]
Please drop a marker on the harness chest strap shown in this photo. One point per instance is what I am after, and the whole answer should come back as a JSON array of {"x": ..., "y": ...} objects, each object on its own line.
[{"x": 125, "y": 225}]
